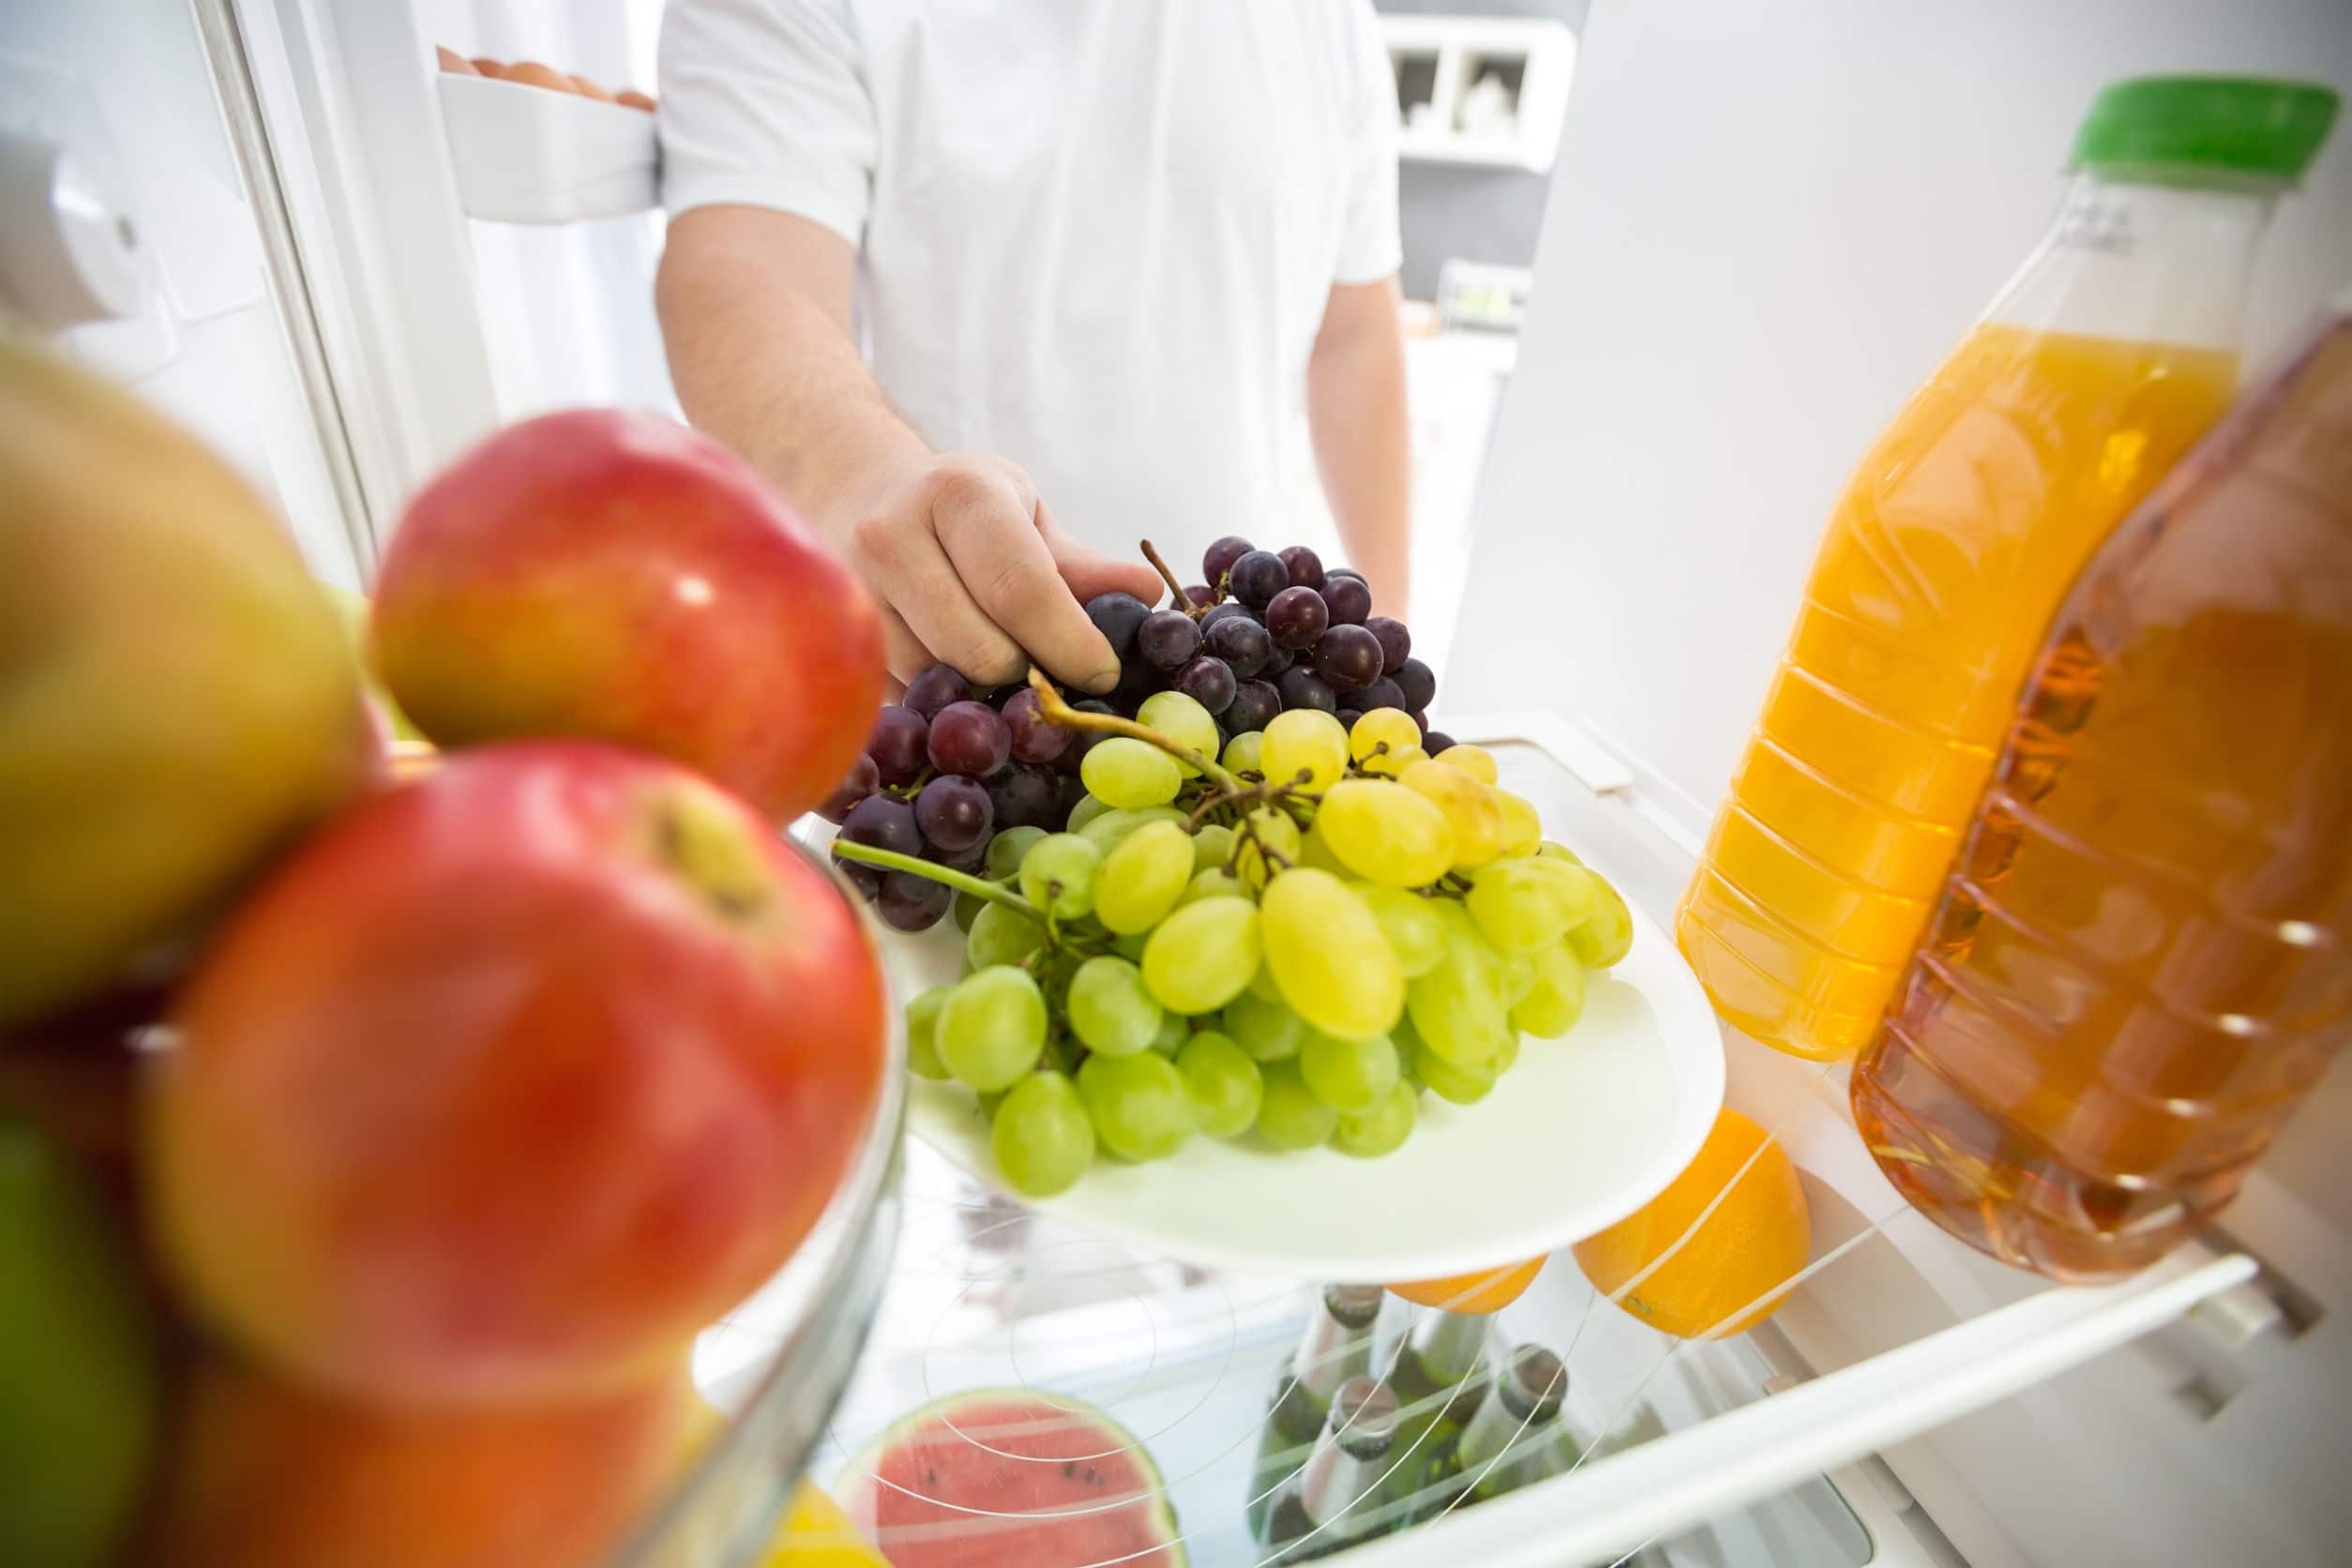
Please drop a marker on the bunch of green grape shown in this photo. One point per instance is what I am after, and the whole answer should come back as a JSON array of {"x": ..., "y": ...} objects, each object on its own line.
[{"x": 1295, "y": 953}]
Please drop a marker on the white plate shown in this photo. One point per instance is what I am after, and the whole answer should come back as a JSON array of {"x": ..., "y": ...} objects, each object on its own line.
[{"x": 1581, "y": 1132}]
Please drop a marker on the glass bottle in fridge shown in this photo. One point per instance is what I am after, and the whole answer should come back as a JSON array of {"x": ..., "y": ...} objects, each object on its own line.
[
  {"x": 1337, "y": 1497},
  {"x": 1515, "y": 1439},
  {"x": 1336, "y": 1346},
  {"x": 1440, "y": 1376},
  {"x": 2144, "y": 956},
  {"x": 2107, "y": 357}
]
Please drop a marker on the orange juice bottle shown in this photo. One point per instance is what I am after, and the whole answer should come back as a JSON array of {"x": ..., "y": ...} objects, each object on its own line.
[
  {"x": 2143, "y": 954},
  {"x": 2096, "y": 367}
]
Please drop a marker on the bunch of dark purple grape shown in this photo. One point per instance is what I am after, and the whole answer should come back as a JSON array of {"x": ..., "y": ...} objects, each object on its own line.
[
  {"x": 948, "y": 769},
  {"x": 1268, "y": 631}
]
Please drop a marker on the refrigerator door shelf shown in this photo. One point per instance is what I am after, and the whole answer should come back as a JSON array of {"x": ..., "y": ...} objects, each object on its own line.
[{"x": 532, "y": 155}]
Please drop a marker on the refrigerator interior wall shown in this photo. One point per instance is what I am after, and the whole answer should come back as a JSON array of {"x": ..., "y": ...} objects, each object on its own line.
[{"x": 1728, "y": 302}]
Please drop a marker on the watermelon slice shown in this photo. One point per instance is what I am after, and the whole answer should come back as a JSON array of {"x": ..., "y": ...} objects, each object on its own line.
[{"x": 1011, "y": 1478}]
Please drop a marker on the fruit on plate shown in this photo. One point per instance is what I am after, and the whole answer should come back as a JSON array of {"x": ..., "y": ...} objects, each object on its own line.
[
  {"x": 80, "y": 1390},
  {"x": 511, "y": 1080},
  {"x": 1483, "y": 1292},
  {"x": 1010, "y": 1478},
  {"x": 270, "y": 1474},
  {"x": 176, "y": 699},
  {"x": 1731, "y": 1272},
  {"x": 612, "y": 575}
]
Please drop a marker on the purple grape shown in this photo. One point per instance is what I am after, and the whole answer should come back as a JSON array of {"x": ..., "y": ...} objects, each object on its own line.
[
  {"x": 1218, "y": 558},
  {"x": 1419, "y": 684},
  {"x": 1023, "y": 796},
  {"x": 1034, "y": 739},
  {"x": 880, "y": 822},
  {"x": 867, "y": 880},
  {"x": 1348, "y": 717},
  {"x": 1073, "y": 791},
  {"x": 1225, "y": 611},
  {"x": 954, "y": 813},
  {"x": 1167, "y": 639},
  {"x": 1137, "y": 681},
  {"x": 1116, "y": 616},
  {"x": 1255, "y": 704},
  {"x": 1208, "y": 682},
  {"x": 971, "y": 739},
  {"x": 1258, "y": 577},
  {"x": 1347, "y": 657},
  {"x": 1435, "y": 741},
  {"x": 1304, "y": 567},
  {"x": 1241, "y": 643},
  {"x": 898, "y": 745},
  {"x": 1296, "y": 617},
  {"x": 933, "y": 689},
  {"x": 1276, "y": 662},
  {"x": 1200, "y": 595},
  {"x": 862, "y": 779},
  {"x": 1347, "y": 598},
  {"x": 1301, "y": 687},
  {"x": 1346, "y": 571},
  {"x": 1421, "y": 722},
  {"x": 1396, "y": 642},
  {"x": 1382, "y": 693},
  {"x": 974, "y": 860},
  {"x": 908, "y": 902}
]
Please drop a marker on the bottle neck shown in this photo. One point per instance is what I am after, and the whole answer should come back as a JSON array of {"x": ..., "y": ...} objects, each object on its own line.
[
  {"x": 2143, "y": 263},
  {"x": 1346, "y": 1469},
  {"x": 1331, "y": 1351},
  {"x": 1496, "y": 1426},
  {"x": 1447, "y": 1345}
]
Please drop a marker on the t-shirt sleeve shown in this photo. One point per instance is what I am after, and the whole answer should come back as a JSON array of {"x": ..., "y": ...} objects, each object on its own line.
[
  {"x": 1369, "y": 247},
  {"x": 765, "y": 103}
]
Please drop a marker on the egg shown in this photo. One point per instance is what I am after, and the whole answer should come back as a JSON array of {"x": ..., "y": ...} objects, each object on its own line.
[
  {"x": 487, "y": 67},
  {"x": 453, "y": 61},
  {"x": 589, "y": 89},
  {"x": 532, "y": 74},
  {"x": 634, "y": 98}
]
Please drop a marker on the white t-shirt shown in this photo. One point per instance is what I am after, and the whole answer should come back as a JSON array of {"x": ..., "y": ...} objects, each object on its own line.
[{"x": 1096, "y": 236}]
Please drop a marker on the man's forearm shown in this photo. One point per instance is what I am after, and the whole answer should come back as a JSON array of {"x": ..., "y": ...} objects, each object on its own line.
[
  {"x": 1356, "y": 413},
  {"x": 773, "y": 373}
]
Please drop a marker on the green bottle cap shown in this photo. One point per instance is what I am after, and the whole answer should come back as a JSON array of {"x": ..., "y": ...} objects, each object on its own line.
[{"x": 2240, "y": 125}]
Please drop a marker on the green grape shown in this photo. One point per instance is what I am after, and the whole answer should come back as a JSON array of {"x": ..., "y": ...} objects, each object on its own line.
[
  {"x": 923, "y": 1033},
  {"x": 992, "y": 1028},
  {"x": 1519, "y": 904},
  {"x": 1142, "y": 877},
  {"x": 1040, "y": 1135},
  {"x": 1386, "y": 832},
  {"x": 1182, "y": 720},
  {"x": 1315, "y": 854},
  {"x": 1214, "y": 882},
  {"x": 1000, "y": 935},
  {"x": 1058, "y": 874},
  {"x": 1556, "y": 999},
  {"x": 1457, "y": 1008},
  {"x": 1212, "y": 846},
  {"x": 1476, "y": 761},
  {"x": 1268, "y": 1030},
  {"x": 1113, "y": 828},
  {"x": 1381, "y": 1130},
  {"x": 1604, "y": 937},
  {"x": 1469, "y": 806},
  {"x": 1462, "y": 1085},
  {"x": 1175, "y": 1029},
  {"x": 1391, "y": 727},
  {"x": 1503, "y": 1059},
  {"x": 1127, "y": 772},
  {"x": 1388, "y": 764},
  {"x": 1264, "y": 986},
  {"x": 1140, "y": 1105},
  {"x": 1304, "y": 741},
  {"x": 1550, "y": 850},
  {"x": 1241, "y": 753},
  {"x": 1289, "y": 1114},
  {"x": 1352, "y": 1076},
  {"x": 1129, "y": 945},
  {"x": 1271, "y": 830},
  {"x": 1411, "y": 926},
  {"x": 1578, "y": 888},
  {"x": 988, "y": 1102},
  {"x": 1222, "y": 1082},
  {"x": 967, "y": 910},
  {"x": 1086, "y": 810},
  {"x": 1522, "y": 830},
  {"x": 1109, "y": 1010},
  {"x": 1519, "y": 977},
  {"x": 1006, "y": 848},
  {"x": 1201, "y": 956},
  {"x": 1336, "y": 969}
]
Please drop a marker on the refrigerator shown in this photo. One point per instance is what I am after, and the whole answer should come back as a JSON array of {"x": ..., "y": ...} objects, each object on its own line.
[{"x": 281, "y": 222}]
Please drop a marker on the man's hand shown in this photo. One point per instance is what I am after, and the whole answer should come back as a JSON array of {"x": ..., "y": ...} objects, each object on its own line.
[{"x": 972, "y": 571}]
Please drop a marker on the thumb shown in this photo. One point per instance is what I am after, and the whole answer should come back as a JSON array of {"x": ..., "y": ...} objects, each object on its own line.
[{"x": 1089, "y": 572}]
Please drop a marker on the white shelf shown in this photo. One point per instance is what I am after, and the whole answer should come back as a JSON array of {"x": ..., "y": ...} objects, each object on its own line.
[{"x": 1441, "y": 59}]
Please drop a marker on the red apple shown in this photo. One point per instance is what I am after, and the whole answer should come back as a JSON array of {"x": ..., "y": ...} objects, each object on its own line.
[
  {"x": 512, "y": 1078},
  {"x": 612, "y": 575}
]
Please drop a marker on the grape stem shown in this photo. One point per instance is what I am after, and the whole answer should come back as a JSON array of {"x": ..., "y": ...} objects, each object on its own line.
[
  {"x": 867, "y": 854},
  {"x": 1183, "y": 601},
  {"x": 1055, "y": 711}
]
